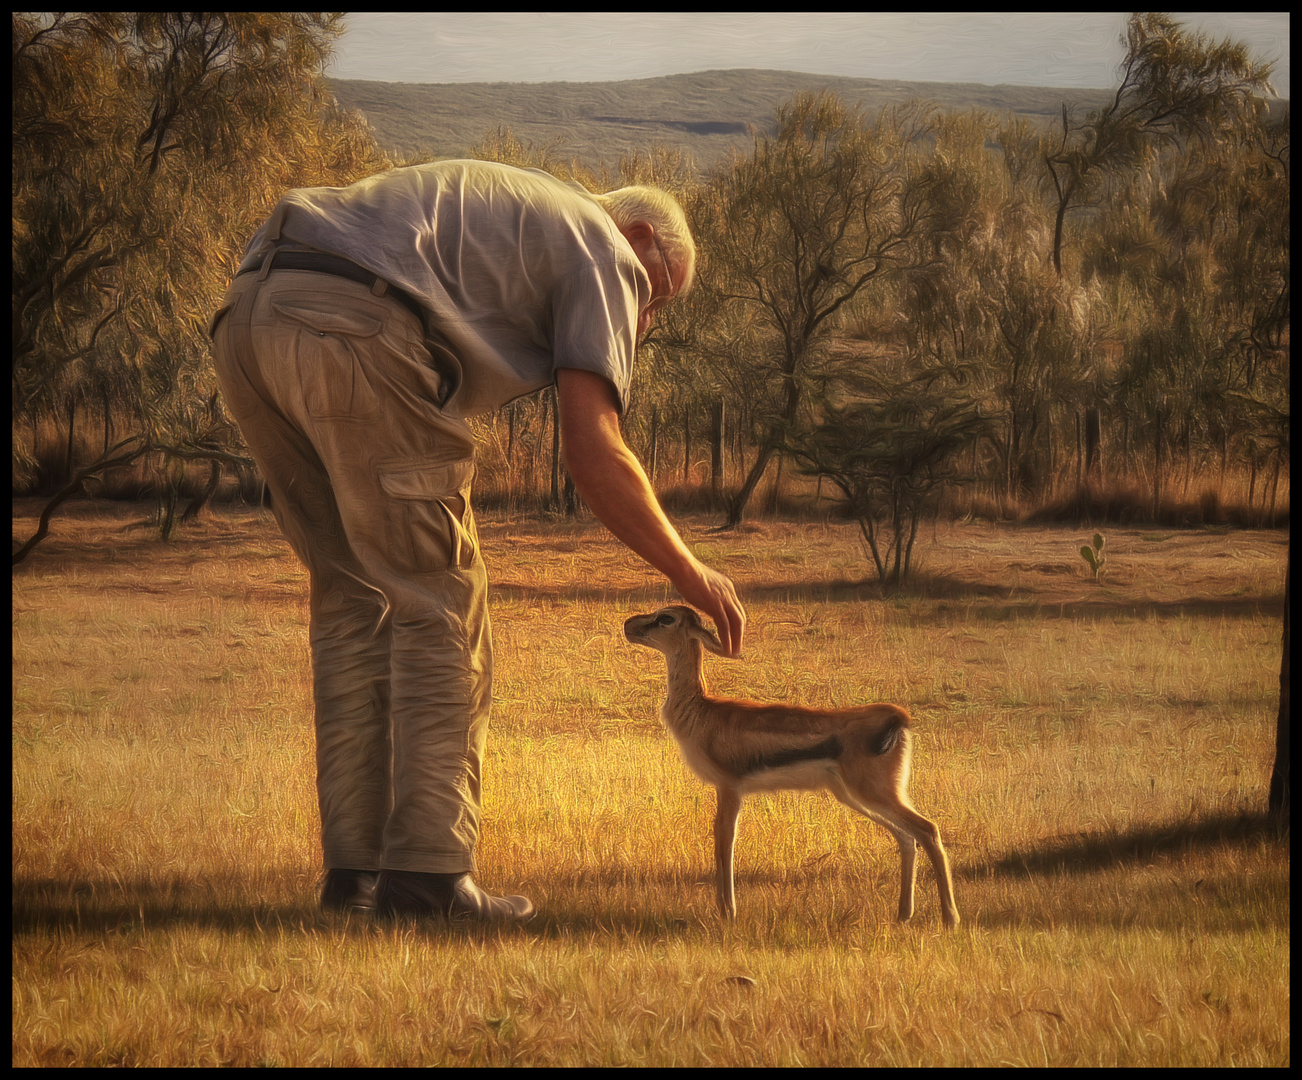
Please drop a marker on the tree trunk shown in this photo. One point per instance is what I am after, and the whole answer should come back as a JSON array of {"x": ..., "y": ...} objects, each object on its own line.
[
  {"x": 1274, "y": 489},
  {"x": 687, "y": 446},
  {"x": 748, "y": 487},
  {"x": 1252, "y": 470},
  {"x": 716, "y": 451},
  {"x": 1125, "y": 445},
  {"x": 72, "y": 427},
  {"x": 73, "y": 486},
  {"x": 1279, "y": 796},
  {"x": 1093, "y": 438},
  {"x": 914, "y": 516},
  {"x": 776, "y": 491},
  {"x": 1188, "y": 456},
  {"x": 173, "y": 473},
  {"x": 571, "y": 497},
  {"x": 655, "y": 444},
  {"x": 869, "y": 531},
  {"x": 510, "y": 454},
  {"x": 167, "y": 513},
  {"x": 1016, "y": 476},
  {"x": 1051, "y": 483},
  {"x": 1057, "y": 235},
  {"x": 556, "y": 450},
  {"x": 205, "y": 496},
  {"x": 897, "y": 538},
  {"x": 1157, "y": 469}
]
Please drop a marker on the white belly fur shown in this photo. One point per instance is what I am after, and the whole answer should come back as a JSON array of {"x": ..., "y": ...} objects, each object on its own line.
[{"x": 799, "y": 776}]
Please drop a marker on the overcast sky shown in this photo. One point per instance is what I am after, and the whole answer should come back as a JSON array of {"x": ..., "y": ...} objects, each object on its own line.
[{"x": 1038, "y": 49}]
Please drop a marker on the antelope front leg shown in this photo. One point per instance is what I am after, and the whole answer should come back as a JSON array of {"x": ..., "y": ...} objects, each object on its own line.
[{"x": 725, "y": 833}]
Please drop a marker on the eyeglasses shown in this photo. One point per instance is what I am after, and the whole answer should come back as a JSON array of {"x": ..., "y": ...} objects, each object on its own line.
[{"x": 668, "y": 273}]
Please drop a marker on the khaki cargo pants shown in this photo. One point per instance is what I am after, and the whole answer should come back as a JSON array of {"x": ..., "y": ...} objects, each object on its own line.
[{"x": 370, "y": 482}]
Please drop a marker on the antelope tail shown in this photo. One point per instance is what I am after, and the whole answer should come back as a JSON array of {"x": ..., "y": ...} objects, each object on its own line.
[{"x": 883, "y": 742}]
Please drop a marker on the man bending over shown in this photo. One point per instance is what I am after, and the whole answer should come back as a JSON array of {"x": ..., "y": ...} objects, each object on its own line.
[{"x": 363, "y": 326}]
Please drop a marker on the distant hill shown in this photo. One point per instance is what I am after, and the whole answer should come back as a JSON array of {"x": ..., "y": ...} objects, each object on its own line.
[{"x": 706, "y": 113}]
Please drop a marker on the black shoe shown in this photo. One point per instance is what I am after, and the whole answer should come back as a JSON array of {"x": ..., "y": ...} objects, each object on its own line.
[
  {"x": 453, "y": 896},
  {"x": 348, "y": 890}
]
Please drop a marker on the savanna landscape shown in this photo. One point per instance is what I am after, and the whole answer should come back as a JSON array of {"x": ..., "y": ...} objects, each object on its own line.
[
  {"x": 1095, "y": 754},
  {"x": 981, "y": 397}
]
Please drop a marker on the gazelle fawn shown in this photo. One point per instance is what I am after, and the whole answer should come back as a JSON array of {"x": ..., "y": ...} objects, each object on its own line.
[{"x": 859, "y": 754}]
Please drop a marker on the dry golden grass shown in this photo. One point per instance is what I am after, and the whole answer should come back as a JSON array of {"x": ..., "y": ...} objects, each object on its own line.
[{"x": 1093, "y": 754}]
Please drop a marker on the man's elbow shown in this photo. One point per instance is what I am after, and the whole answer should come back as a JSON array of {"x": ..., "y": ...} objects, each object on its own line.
[{"x": 597, "y": 462}]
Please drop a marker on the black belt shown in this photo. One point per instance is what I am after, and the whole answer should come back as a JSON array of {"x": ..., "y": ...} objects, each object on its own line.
[{"x": 339, "y": 267}]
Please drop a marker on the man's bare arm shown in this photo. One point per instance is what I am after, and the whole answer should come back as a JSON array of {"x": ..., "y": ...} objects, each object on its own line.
[{"x": 612, "y": 483}]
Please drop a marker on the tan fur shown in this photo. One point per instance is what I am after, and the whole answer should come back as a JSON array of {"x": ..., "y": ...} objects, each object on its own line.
[{"x": 734, "y": 744}]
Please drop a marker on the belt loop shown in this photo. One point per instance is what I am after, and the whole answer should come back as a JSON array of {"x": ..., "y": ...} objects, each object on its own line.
[
  {"x": 380, "y": 287},
  {"x": 266, "y": 266}
]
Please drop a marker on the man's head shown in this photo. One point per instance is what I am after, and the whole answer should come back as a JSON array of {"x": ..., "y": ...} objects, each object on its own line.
[{"x": 656, "y": 228}]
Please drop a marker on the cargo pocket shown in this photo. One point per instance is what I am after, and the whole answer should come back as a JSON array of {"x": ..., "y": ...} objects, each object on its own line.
[
  {"x": 217, "y": 317},
  {"x": 326, "y": 351},
  {"x": 432, "y": 507}
]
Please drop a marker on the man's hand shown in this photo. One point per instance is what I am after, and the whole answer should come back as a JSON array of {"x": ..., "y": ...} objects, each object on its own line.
[
  {"x": 715, "y": 595},
  {"x": 612, "y": 483}
]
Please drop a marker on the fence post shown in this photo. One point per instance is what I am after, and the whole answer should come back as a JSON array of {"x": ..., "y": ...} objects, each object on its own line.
[{"x": 655, "y": 442}]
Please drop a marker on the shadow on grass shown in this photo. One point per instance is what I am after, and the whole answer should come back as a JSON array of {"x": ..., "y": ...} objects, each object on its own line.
[
  {"x": 43, "y": 906},
  {"x": 660, "y": 904},
  {"x": 970, "y": 600},
  {"x": 980, "y": 601},
  {"x": 104, "y": 905},
  {"x": 614, "y": 902},
  {"x": 1083, "y": 853}
]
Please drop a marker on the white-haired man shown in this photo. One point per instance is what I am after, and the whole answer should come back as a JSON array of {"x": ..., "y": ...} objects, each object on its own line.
[{"x": 363, "y": 326}]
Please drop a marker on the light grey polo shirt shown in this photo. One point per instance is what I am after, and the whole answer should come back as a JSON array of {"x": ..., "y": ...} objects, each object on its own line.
[{"x": 521, "y": 273}]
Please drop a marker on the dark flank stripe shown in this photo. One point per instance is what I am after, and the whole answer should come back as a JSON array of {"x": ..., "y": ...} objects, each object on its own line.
[{"x": 828, "y": 748}]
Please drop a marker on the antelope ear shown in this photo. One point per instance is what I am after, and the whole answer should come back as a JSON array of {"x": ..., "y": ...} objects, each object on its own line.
[{"x": 708, "y": 639}]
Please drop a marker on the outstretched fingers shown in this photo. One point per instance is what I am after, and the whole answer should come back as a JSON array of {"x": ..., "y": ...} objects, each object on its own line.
[{"x": 714, "y": 594}]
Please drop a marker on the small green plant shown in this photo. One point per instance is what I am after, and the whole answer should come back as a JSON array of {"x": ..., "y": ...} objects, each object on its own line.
[{"x": 1094, "y": 555}]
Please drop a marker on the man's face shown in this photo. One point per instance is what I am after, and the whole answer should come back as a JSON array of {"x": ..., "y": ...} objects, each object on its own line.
[{"x": 664, "y": 285}]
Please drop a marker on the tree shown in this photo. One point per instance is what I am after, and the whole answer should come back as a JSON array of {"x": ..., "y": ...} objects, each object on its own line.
[
  {"x": 888, "y": 450},
  {"x": 983, "y": 309},
  {"x": 1174, "y": 84},
  {"x": 146, "y": 148},
  {"x": 818, "y": 211},
  {"x": 1192, "y": 256}
]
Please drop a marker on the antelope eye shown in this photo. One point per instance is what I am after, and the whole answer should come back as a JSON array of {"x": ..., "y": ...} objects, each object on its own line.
[{"x": 664, "y": 620}]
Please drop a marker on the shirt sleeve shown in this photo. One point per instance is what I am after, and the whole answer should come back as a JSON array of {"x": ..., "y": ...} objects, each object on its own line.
[{"x": 594, "y": 323}]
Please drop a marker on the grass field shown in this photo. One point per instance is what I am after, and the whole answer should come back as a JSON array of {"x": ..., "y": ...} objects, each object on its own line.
[{"x": 1095, "y": 755}]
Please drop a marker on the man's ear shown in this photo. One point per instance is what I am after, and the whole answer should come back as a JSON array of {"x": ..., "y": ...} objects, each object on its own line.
[
  {"x": 709, "y": 640},
  {"x": 640, "y": 232}
]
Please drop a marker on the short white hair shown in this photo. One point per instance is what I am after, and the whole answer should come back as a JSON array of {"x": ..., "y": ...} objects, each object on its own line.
[{"x": 627, "y": 206}]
